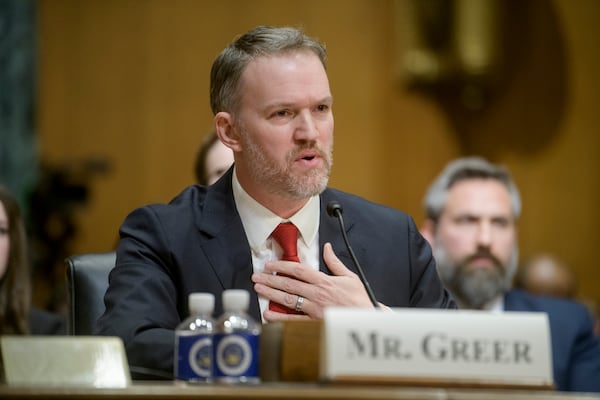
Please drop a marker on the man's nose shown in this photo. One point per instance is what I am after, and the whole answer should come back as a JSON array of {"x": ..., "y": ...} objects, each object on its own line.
[
  {"x": 306, "y": 128},
  {"x": 484, "y": 234}
]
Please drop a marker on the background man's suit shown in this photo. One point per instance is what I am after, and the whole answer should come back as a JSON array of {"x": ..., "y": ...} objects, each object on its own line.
[
  {"x": 197, "y": 243},
  {"x": 576, "y": 363}
]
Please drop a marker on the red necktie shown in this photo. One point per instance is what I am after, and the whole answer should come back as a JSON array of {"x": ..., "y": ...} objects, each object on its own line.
[{"x": 286, "y": 235}]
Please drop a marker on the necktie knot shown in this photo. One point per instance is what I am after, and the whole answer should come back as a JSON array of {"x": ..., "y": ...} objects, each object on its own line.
[{"x": 286, "y": 235}]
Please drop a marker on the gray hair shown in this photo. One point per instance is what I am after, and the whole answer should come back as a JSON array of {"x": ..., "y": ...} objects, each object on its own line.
[
  {"x": 261, "y": 41},
  {"x": 463, "y": 169}
]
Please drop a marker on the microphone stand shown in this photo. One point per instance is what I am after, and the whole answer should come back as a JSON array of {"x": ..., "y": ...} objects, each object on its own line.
[{"x": 334, "y": 209}]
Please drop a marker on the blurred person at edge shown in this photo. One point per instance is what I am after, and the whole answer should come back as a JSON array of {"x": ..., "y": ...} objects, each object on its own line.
[
  {"x": 212, "y": 160},
  {"x": 472, "y": 209},
  {"x": 545, "y": 274},
  {"x": 17, "y": 316}
]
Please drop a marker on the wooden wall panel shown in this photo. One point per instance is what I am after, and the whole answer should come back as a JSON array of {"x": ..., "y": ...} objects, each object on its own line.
[
  {"x": 128, "y": 80},
  {"x": 540, "y": 124}
]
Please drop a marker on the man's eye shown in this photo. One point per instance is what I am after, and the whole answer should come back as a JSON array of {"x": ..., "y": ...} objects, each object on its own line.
[
  {"x": 323, "y": 107},
  {"x": 282, "y": 113},
  {"x": 465, "y": 220},
  {"x": 501, "y": 223}
]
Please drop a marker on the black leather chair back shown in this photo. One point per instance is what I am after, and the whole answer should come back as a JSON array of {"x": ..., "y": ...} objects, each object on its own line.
[{"x": 87, "y": 279}]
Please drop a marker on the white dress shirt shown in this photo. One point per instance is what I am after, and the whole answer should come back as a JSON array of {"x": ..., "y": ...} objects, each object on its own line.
[
  {"x": 259, "y": 223},
  {"x": 496, "y": 305}
]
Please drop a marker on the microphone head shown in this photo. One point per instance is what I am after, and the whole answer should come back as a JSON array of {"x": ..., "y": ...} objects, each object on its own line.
[{"x": 334, "y": 208}]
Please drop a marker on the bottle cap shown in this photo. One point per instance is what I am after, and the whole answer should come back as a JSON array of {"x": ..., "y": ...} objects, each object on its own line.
[
  {"x": 201, "y": 303},
  {"x": 236, "y": 300}
]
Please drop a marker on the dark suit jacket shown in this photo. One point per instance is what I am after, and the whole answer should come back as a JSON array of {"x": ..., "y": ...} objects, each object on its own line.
[
  {"x": 197, "y": 243},
  {"x": 42, "y": 322},
  {"x": 575, "y": 349}
]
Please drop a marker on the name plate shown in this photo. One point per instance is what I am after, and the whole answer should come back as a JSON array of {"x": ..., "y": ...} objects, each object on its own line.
[
  {"x": 97, "y": 361},
  {"x": 425, "y": 345}
]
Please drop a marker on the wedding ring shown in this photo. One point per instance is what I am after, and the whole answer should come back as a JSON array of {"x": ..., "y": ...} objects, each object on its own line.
[{"x": 299, "y": 303}]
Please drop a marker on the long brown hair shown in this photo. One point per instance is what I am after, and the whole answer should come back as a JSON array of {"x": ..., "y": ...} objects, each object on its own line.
[{"x": 15, "y": 286}]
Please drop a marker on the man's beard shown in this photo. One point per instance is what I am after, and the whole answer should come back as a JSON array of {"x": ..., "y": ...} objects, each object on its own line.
[
  {"x": 473, "y": 287},
  {"x": 282, "y": 180}
]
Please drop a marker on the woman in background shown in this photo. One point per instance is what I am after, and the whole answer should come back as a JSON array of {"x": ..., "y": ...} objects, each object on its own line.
[{"x": 16, "y": 314}]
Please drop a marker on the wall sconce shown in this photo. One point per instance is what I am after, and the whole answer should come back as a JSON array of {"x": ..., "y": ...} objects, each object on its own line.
[{"x": 453, "y": 46}]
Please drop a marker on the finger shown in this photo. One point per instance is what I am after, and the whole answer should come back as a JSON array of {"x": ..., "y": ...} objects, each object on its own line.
[
  {"x": 310, "y": 310},
  {"x": 281, "y": 281},
  {"x": 284, "y": 298},
  {"x": 301, "y": 308},
  {"x": 300, "y": 272},
  {"x": 283, "y": 267},
  {"x": 333, "y": 262},
  {"x": 272, "y": 316}
]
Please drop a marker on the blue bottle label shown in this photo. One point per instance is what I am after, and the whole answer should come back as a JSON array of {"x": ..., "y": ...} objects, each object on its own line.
[
  {"x": 236, "y": 355},
  {"x": 194, "y": 357}
]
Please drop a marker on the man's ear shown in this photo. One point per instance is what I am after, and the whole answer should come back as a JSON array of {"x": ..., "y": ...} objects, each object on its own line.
[
  {"x": 428, "y": 231},
  {"x": 227, "y": 131}
]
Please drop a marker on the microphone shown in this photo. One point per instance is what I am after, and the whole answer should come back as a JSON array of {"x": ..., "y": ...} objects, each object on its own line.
[{"x": 334, "y": 209}]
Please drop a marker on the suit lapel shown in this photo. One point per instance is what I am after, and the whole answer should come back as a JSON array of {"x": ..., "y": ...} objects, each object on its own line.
[{"x": 224, "y": 240}]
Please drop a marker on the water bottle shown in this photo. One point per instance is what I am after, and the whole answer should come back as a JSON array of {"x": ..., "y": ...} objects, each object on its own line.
[
  {"x": 194, "y": 339},
  {"x": 236, "y": 341}
]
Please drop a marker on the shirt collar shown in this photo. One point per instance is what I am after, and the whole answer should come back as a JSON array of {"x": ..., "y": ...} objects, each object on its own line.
[
  {"x": 259, "y": 222},
  {"x": 498, "y": 305}
]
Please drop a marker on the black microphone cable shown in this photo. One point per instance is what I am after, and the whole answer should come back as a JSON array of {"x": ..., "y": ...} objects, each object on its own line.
[{"x": 334, "y": 209}]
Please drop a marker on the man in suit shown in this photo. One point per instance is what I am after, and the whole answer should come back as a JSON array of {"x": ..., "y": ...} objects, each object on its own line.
[
  {"x": 472, "y": 211},
  {"x": 273, "y": 108}
]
